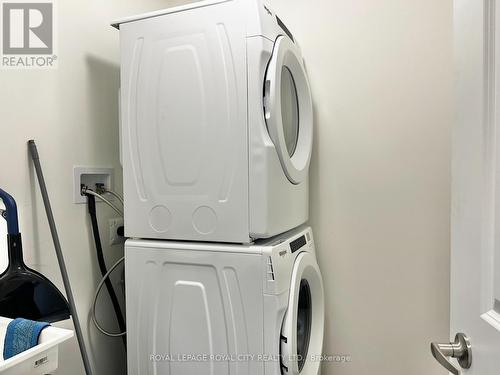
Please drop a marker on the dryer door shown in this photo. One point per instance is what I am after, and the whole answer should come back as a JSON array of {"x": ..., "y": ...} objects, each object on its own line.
[
  {"x": 302, "y": 332},
  {"x": 288, "y": 109}
]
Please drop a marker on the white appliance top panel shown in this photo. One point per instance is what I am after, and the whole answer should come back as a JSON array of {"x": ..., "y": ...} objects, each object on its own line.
[
  {"x": 194, "y": 246},
  {"x": 156, "y": 13},
  {"x": 259, "y": 247}
]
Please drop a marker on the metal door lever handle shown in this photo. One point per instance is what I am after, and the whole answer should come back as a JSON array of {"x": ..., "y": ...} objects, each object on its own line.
[{"x": 461, "y": 349}]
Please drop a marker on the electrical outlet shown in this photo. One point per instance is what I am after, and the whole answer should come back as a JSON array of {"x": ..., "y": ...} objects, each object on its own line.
[{"x": 114, "y": 224}]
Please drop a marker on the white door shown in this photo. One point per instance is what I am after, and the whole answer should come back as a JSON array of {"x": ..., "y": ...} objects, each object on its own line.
[
  {"x": 288, "y": 109},
  {"x": 303, "y": 325},
  {"x": 475, "y": 221}
]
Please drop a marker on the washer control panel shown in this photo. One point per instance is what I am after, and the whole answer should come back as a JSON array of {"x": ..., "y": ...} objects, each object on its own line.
[{"x": 298, "y": 244}]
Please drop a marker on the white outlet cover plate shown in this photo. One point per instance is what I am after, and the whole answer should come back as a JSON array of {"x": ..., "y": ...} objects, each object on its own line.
[
  {"x": 90, "y": 176},
  {"x": 114, "y": 238}
]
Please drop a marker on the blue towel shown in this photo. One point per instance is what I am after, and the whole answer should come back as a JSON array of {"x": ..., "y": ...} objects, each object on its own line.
[{"x": 22, "y": 334}]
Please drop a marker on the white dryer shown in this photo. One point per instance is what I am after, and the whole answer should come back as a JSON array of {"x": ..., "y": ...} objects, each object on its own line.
[
  {"x": 207, "y": 309},
  {"x": 217, "y": 123}
]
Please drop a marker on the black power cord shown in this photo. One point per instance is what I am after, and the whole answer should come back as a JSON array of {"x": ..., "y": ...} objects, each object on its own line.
[{"x": 103, "y": 268}]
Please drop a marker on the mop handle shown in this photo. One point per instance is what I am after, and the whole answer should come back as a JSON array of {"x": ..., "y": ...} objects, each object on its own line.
[{"x": 60, "y": 257}]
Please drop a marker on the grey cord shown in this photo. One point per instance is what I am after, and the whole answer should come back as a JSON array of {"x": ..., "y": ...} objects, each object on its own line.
[
  {"x": 91, "y": 192},
  {"x": 114, "y": 194},
  {"x": 94, "y": 303},
  {"x": 106, "y": 276}
]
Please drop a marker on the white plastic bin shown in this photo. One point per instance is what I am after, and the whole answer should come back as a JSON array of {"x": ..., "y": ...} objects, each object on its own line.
[{"x": 40, "y": 360}]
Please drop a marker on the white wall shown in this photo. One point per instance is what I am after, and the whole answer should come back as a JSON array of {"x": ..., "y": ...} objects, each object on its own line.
[{"x": 381, "y": 76}]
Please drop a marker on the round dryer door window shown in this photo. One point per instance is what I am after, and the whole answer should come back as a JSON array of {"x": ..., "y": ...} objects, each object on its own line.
[
  {"x": 302, "y": 332},
  {"x": 288, "y": 109}
]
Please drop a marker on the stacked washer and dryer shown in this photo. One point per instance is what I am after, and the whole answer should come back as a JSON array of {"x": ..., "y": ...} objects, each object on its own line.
[{"x": 216, "y": 141}]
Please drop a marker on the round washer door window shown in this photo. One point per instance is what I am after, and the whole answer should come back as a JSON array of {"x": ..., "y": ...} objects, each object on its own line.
[
  {"x": 304, "y": 318},
  {"x": 288, "y": 109},
  {"x": 302, "y": 331}
]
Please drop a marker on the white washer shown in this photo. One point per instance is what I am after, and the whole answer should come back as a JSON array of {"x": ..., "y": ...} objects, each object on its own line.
[
  {"x": 207, "y": 309},
  {"x": 217, "y": 123}
]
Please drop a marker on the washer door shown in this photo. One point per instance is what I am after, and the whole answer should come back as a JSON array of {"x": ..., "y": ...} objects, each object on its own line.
[
  {"x": 288, "y": 109},
  {"x": 302, "y": 332}
]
